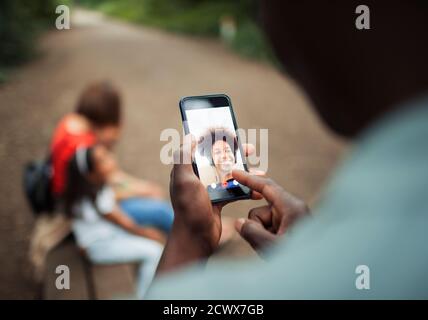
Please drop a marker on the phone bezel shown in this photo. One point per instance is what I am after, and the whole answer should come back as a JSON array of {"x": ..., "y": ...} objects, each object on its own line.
[{"x": 216, "y": 101}]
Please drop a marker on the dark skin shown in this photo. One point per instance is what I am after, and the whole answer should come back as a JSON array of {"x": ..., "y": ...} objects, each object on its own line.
[
  {"x": 182, "y": 247},
  {"x": 197, "y": 224},
  {"x": 353, "y": 78}
]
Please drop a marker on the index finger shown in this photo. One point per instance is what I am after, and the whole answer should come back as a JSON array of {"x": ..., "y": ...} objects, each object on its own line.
[{"x": 269, "y": 189}]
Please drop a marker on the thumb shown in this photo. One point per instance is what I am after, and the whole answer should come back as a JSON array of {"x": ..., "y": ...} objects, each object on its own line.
[
  {"x": 183, "y": 157},
  {"x": 254, "y": 233}
]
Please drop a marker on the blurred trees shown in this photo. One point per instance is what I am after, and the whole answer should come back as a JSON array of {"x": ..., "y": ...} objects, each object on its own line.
[
  {"x": 20, "y": 21},
  {"x": 197, "y": 17}
]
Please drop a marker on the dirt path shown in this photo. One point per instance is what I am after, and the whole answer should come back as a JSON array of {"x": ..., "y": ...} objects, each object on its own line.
[{"x": 153, "y": 69}]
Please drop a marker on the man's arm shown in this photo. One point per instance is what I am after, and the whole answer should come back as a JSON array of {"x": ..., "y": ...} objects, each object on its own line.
[{"x": 196, "y": 229}]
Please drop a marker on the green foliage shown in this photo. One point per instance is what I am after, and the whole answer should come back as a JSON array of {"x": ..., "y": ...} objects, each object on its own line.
[
  {"x": 20, "y": 22},
  {"x": 251, "y": 42},
  {"x": 195, "y": 17}
]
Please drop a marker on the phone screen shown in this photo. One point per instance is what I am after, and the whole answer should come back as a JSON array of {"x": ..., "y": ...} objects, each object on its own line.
[{"x": 212, "y": 121}]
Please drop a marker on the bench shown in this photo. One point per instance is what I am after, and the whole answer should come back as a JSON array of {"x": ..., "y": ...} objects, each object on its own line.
[{"x": 87, "y": 281}]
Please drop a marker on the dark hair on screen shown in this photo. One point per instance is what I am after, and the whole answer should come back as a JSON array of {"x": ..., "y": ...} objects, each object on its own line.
[
  {"x": 212, "y": 135},
  {"x": 78, "y": 187},
  {"x": 100, "y": 104}
]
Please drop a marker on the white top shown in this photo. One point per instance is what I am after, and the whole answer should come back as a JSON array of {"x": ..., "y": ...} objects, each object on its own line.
[{"x": 88, "y": 224}]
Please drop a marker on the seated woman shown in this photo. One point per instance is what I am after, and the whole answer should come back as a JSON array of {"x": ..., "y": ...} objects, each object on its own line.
[
  {"x": 97, "y": 119},
  {"x": 220, "y": 146},
  {"x": 100, "y": 227}
]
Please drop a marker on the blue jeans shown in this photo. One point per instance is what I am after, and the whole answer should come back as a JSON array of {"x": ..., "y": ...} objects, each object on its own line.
[{"x": 149, "y": 212}]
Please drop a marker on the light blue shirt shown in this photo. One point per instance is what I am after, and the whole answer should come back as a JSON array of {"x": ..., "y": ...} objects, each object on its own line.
[{"x": 373, "y": 213}]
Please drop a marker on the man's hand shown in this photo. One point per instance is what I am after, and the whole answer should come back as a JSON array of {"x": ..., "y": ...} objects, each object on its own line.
[
  {"x": 196, "y": 229},
  {"x": 265, "y": 224},
  {"x": 197, "y": 223}
]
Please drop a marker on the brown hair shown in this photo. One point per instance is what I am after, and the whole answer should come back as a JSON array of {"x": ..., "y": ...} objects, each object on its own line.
[
  {"x": 207, "y": 140},
  {"x": 100, "y": 104}
]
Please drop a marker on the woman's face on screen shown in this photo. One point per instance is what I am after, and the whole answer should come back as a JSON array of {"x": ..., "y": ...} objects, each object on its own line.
[{"x": 223, "y": 156}]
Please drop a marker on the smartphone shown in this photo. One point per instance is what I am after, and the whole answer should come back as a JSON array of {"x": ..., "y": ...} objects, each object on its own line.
[{"x": 210, "y": 118}]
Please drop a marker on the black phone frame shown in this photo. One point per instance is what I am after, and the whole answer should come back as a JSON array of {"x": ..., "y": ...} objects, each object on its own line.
[{"x": 215, "y": 101}]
